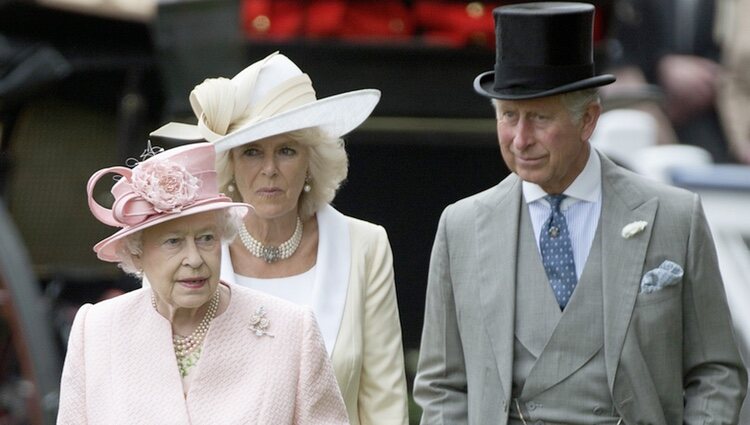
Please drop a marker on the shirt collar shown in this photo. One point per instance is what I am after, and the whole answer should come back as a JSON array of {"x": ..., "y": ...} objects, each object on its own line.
[{"x": 586, "y": 187}]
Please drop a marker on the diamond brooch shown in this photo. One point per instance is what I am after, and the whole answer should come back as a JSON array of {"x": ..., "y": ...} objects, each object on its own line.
[{"x": 259, "y": 322}]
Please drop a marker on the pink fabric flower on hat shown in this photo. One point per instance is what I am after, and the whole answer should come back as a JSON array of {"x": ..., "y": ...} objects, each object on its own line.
[{"x": 166, "y": 185}]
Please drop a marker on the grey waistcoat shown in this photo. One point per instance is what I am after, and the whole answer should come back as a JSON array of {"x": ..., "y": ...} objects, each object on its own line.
[{"x": 559, "y": 376}]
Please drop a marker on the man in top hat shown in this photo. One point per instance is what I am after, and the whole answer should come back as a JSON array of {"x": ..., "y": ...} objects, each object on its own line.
[{"x": 573, "y": 292}]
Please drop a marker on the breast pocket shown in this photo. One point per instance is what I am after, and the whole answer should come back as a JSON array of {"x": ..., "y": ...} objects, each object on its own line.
[{"x": 662, "y": 295}]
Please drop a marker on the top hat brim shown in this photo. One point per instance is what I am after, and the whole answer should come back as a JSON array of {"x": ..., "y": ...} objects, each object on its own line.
[
  {"x": 335, "y": 116},
  {"x": 484, "y": 84}
]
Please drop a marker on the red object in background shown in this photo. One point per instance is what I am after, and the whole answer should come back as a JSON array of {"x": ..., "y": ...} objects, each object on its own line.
[
  {"x": 338, "y": 19},
  {"x": 257, "y": 16},
  {"x": 445, "y": 22},
  {"x": 601, "y": 20},
  {"x": 461, "y": 24},
  {"x": 377, "y": 20},
  {"x": 457, "y": 24}
]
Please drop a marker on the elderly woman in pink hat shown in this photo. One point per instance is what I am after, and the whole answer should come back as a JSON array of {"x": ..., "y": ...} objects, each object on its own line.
[
  {"x": 188, "y": 347},
  {"x": 280, "y": 149}
]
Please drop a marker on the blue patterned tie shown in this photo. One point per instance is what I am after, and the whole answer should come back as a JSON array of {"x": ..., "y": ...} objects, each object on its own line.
[{"x": 557, "y": 252}]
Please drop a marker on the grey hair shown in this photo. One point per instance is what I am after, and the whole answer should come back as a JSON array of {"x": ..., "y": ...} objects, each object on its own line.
[
  {"x": 575, "y": 102},
  {"x": 327, "y": 169},
  {"x": 227, "y": 220},
  {"x": 578, "y": 101}
]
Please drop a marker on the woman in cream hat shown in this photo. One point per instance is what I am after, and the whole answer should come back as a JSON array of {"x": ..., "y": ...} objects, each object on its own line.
[
  {"x": 188, "y": 348},
  {"x": 280, "y": 149}
]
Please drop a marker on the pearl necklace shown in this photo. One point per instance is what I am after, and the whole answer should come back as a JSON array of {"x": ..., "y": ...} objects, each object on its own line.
[
  {"x": 269, "y": 253},
  {"x": 187, "y": 349}
]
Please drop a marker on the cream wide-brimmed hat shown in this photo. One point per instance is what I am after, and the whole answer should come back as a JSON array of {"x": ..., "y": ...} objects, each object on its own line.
[
  {"x": 174, "y": 183},
  {"x": 270, "y": 97}
]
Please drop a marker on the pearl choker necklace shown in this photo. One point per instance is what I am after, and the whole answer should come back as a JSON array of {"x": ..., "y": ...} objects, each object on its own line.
[{"x": 269, "y": 253}]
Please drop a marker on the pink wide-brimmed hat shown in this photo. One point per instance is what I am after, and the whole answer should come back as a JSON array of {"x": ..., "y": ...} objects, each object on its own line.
[
  {"x": 270, "y": 97},
  {"x": 171, "y": 184}
]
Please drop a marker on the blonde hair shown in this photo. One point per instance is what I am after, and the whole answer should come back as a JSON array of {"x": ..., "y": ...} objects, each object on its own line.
[{"x": 327, "y": 169}]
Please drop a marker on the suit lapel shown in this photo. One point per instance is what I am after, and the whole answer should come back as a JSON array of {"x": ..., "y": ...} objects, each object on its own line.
[
  {"x": 623, "y": 259},
  {"x": 332, "y": 277},
  {"x": 497, "y": 223}
]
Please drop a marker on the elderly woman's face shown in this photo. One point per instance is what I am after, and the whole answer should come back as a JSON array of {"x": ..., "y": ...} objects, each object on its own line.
[
  {"x": 270, "y": 174},
  {"x": 181, "y": 259}
]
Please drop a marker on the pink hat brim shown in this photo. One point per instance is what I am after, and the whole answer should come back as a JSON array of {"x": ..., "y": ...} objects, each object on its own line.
[{"x": 106, "y": 249}]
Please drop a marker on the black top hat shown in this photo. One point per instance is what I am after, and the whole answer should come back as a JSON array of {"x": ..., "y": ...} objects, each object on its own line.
[{"x": 542, "y": 49}]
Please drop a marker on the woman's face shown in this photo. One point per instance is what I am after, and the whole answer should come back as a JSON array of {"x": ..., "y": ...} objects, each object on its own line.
[
  {"x": 270, "y": 173},
  {"x": 181, "y": 259}
]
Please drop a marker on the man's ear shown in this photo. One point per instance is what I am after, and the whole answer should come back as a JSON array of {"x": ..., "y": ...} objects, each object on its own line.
[{"x": 589, "y": 120}]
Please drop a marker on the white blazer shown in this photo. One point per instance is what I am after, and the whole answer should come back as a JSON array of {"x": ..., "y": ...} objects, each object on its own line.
[{"x": 354, "y": 300}]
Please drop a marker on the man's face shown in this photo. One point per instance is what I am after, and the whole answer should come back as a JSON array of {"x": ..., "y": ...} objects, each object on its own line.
[{"x": 542, "y": 143}]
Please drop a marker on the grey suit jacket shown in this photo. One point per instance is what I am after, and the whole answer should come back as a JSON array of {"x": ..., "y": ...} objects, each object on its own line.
[{"x": 670, "y": 355}]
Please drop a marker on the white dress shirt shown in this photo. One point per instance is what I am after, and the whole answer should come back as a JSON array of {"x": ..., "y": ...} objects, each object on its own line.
[{"x": 581, "y": 208}]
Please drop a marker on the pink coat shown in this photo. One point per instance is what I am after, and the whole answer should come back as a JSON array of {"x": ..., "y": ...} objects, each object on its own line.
[{"x": 120, "y": 367}]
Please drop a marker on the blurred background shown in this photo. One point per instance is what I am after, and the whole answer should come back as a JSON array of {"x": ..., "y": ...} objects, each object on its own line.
[{"x": 84, "y": 82}]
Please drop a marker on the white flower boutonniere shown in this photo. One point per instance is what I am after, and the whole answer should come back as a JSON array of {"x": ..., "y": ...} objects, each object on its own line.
[
  {"x": 259, "y": 322},
  {"x": 633, "y": 229}
]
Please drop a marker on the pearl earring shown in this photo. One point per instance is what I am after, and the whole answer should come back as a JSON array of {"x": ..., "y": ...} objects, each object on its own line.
[
  {"x": 307, "y": 188},
  {"x": 230, "y": 186}
]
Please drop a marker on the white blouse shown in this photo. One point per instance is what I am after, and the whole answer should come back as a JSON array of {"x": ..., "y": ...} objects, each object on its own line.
[
  {"x": 297, "y": 289},
  {"x": 331, "y": 278}
]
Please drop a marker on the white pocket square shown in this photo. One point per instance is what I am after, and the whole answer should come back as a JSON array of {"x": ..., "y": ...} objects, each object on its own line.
[{"x": 667, "y": 274}]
